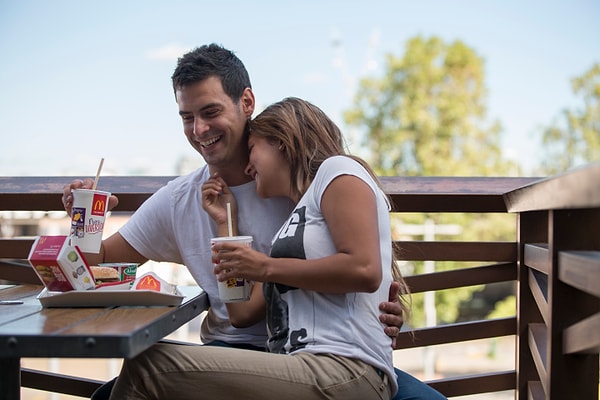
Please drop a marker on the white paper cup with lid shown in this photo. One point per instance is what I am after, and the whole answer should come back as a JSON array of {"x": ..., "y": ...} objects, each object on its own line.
[
  {"x": 234, "y": 289},
  {"x": 87, "y": 219}
]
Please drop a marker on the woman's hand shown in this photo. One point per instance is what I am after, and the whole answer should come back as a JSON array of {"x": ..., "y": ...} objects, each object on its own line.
[
  {"x": 233, "y": 260},
  {"x": 87, "y": 183}
]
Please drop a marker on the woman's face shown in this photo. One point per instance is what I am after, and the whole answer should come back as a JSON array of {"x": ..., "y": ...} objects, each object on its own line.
[{"x": 268, "y": 167}]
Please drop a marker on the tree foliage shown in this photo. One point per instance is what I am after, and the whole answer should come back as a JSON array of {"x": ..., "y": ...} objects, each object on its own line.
[
  {"x": 427, "y": 116},
  {"x": 574, "y": 138}
]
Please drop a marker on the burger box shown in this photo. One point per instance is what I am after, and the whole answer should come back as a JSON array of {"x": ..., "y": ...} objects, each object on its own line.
[
  {"x": 69, "y": 282},
  {"x": 60, "y": 266},
  {"x": 125, "y": 271}
]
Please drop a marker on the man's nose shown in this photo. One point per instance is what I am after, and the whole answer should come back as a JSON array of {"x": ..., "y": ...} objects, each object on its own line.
[{"x": 200, "y": 126}]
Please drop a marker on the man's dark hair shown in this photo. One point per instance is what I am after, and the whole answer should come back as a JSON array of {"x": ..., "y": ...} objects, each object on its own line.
[{"x": 212, "y": 60}]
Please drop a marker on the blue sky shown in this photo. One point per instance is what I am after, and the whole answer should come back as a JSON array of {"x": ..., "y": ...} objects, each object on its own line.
[{"x": 85, "y": 80}]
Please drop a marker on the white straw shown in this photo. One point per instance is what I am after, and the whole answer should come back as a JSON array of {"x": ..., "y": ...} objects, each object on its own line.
[
  {"x": 229, "y": 227},
  {"x": 98, "y": 174}
]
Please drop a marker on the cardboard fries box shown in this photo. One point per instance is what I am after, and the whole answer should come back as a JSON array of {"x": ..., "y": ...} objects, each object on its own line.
[{"x": 60, "y": 266}]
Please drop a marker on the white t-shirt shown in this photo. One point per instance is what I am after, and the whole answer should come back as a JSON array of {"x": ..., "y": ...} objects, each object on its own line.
[
  {"x": 342, "y": 324},
  {"x": 172, "y": 226}
]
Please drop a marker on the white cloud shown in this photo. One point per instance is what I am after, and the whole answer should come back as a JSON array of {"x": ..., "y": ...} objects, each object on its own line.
[{"x": 168, "y": 52}]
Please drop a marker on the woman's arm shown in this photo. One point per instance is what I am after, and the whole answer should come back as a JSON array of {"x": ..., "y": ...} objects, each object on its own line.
[
  {"x": 247, "y": 313},
  {"x": 350, "y": 210}
]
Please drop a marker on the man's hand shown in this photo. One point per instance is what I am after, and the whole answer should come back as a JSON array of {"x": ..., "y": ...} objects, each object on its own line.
[
  {"x": 392, "y": 313},
  {"x": 87, "y": 183}
]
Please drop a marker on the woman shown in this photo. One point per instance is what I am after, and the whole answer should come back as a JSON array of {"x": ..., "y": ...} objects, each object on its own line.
[{"x": 329, "y": 268}]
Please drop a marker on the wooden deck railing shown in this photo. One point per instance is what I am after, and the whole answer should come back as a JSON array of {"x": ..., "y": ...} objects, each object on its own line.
[{"x": 554, "y": 260}]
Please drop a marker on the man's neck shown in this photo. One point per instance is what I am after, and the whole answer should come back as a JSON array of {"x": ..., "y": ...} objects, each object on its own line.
[{"x": 231, "y": 176}]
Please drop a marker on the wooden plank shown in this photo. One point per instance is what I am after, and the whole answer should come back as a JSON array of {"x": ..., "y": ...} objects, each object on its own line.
[
  {"x": 59, "y": 383},
  {"x": 458, "y": 332},
  {"x": 532, "y": 228},
  {"x": 462, "y": 277},
  {"x": 15, "y": 248},
  {"x": 26, "y": 294},
  {"x": 8, "y": 292},
  {"x": 408, "y": 194},
  {"x": 577, "y": 188},
  {"x": 580, "y": 269},
  {"x": 583, "y": 337},
  {"x": 537, "y": 345},
  {"x": 456, "y": 251},
  {"x": 10, "y": 382},
  {"x": 570, "y": 376},
  {"x": 536, "y": 390},
  {"x": 474, "y": 384},
  {"x": 18, "y": 271},
  {"x": 44, "y": 193},
  {"x": 538, "y": 285},
  {"x": 537, "y": 256}
]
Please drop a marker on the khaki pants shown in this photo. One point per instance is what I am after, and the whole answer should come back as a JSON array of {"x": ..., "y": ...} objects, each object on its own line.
[{"x": 168, "y": 371}]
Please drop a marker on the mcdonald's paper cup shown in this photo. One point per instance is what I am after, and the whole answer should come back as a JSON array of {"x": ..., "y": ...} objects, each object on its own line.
[
  {"x": 87, "y": 219},
  {"x": 235, "y": 289}
]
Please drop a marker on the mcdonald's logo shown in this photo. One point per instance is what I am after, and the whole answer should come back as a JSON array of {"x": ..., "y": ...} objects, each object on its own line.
[
  {"x": 99, "y": 203},
  {"x": 149, "y": 283}
]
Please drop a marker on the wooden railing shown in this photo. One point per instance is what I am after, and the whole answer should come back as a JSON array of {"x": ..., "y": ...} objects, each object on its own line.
[{"x": 554, "y": 260}]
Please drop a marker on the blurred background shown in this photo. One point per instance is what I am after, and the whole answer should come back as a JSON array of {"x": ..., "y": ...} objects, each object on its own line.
[{"x": 85, "y": 80}]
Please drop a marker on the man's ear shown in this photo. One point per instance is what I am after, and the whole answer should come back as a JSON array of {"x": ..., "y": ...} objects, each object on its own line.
[{"x": 248, "y": 102}]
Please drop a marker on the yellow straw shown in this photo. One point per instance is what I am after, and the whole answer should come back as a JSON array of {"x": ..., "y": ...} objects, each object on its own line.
[
  {"x": 98, "y": 174},
  {"x": 229, "y": 227}
]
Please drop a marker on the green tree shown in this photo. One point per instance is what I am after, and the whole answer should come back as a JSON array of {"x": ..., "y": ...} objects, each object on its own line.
[
  {"x": 574, "y": 138},
  {"x": 427, "y": 116}
]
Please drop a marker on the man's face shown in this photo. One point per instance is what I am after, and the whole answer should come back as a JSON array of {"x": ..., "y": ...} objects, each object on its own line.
[{"x": 213, "y": 124}]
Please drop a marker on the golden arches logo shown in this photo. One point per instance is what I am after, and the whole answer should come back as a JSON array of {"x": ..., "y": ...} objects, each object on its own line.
[
  {"x": 149, "y": 283},
  {"x": 99, "y": 203}
]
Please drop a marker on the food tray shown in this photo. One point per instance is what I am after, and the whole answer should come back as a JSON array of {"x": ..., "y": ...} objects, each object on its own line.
[{"x": 108, "y": 298}]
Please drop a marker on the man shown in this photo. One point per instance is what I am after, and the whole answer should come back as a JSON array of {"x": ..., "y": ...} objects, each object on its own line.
[{"x": 171, "y": 225}]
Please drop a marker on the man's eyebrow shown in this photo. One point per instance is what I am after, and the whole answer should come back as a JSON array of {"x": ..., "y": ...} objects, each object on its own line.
[{"x": 204, "y": 108}]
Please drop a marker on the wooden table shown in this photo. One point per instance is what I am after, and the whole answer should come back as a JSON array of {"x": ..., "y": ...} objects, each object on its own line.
[{"x": 29, "y": 330}]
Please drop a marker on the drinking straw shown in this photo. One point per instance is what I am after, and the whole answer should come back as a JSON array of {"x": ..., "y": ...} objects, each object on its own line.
[
  {"x": 229, "y": 227},
  {"x": 98, "y": 173}
]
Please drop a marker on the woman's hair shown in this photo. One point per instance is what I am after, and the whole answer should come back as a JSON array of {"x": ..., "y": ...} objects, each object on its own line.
[{"x": 309, "y": 137}]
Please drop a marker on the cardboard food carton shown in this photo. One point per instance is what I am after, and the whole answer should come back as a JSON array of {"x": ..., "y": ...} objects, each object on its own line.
[{"x": 60, "y": 266}]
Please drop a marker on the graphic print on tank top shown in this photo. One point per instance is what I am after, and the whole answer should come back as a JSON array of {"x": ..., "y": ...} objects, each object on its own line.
[{"x": 289, "y": 243}]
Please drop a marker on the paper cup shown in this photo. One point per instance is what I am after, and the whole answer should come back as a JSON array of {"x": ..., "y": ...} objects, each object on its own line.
[
  {"x": 127, "y": 271},
  {"x": 87, "y": 219},
  {"x": 235, "y": 289}
]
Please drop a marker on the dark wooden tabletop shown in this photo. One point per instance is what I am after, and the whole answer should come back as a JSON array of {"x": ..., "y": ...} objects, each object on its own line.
[{"x": 29, "y": 330}]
